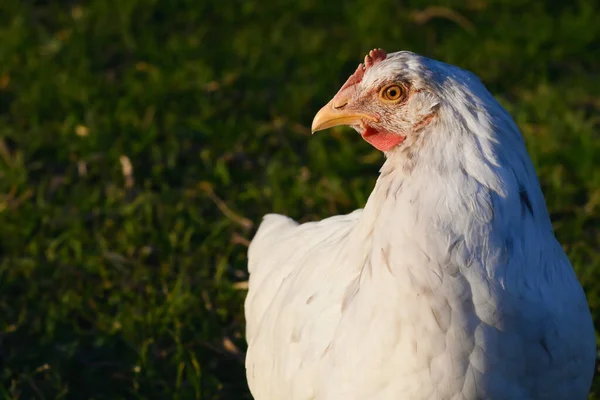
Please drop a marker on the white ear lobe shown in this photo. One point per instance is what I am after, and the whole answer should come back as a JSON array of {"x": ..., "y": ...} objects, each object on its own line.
[{"x": 420, "y": 105}]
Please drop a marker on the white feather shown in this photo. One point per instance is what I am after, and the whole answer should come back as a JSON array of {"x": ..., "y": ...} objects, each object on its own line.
[{"x": 449, "y": 284}]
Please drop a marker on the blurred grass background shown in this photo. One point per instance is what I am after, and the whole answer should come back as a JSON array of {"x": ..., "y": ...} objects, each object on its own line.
[{"x": 141, "y": 141}]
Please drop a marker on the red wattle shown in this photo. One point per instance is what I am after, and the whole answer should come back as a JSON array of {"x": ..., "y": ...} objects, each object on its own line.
[{"x": 382, "y": 140}]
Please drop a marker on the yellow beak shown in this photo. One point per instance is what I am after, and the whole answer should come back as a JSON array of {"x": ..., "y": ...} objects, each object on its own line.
[{"x": 334, "y": 113}]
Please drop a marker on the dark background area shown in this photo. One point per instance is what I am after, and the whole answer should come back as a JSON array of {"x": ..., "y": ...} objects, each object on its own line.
[{"x": 141, "y": 141}]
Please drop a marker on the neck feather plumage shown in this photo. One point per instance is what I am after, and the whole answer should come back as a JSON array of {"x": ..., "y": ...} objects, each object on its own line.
[{"x": 462, "y": 198}]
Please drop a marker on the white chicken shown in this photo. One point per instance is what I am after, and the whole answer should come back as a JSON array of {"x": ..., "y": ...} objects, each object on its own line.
[{"x": 449, "y": 284}]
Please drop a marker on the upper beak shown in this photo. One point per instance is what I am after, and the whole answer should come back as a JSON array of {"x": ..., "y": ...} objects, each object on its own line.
[{"x": 335, "y": 113}]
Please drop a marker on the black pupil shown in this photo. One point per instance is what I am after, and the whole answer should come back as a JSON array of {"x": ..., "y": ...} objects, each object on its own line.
[{"x": 393, "y": 93}]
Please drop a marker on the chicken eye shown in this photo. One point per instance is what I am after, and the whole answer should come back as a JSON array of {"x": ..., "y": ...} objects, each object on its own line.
[{"x": 392, "y": 93}]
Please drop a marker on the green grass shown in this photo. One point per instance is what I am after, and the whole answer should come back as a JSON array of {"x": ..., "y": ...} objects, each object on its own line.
[{"x": 124, "y": 286}]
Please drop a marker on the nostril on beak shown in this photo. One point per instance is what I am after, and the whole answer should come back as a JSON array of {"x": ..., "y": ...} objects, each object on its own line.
[{"x": 339, "y": 106}]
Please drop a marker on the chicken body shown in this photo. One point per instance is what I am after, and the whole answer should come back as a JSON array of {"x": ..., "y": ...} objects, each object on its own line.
[{"x": 449, "y": 284}]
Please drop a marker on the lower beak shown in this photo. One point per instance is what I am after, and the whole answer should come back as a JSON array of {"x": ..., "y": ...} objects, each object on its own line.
[{"x": 330, "y": 116}]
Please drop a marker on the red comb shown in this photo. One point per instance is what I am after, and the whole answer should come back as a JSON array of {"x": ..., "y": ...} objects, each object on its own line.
[{"x": 374, "y": 56}]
